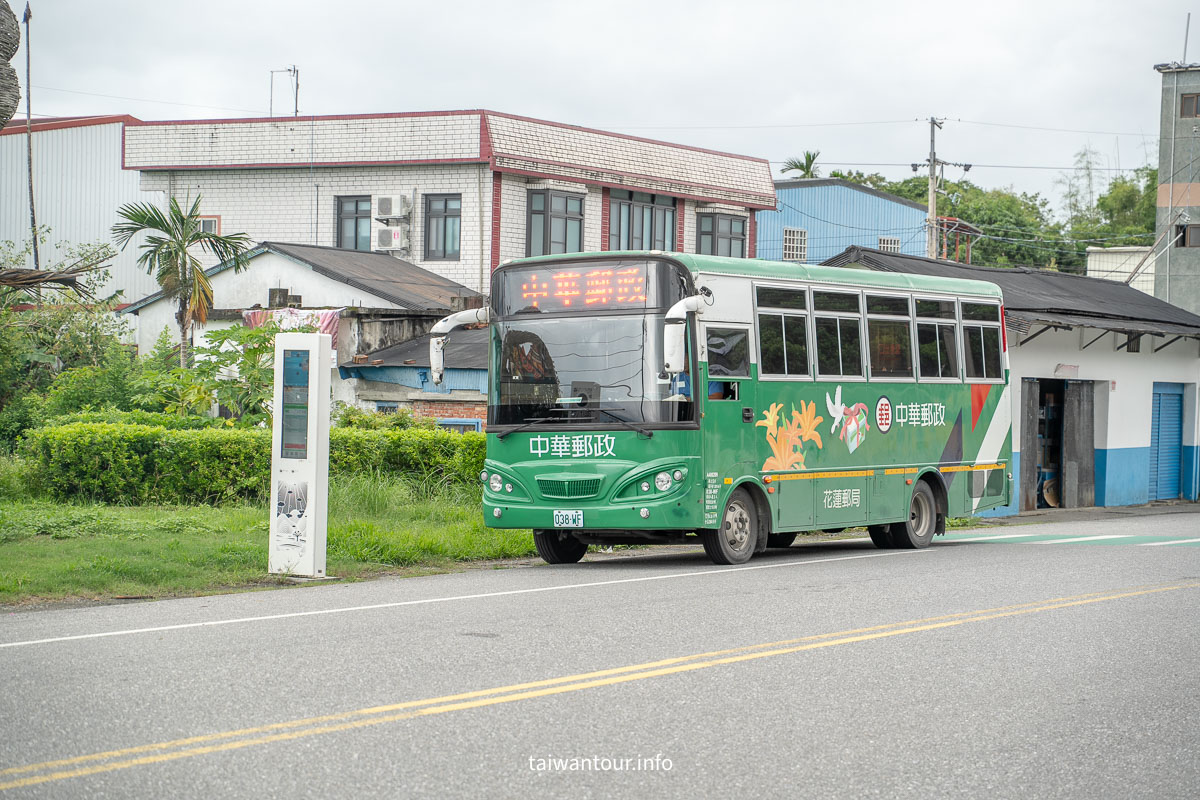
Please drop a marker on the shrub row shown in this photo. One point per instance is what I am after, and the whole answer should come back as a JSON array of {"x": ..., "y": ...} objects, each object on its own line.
[
  {"x": 172, "y": 421},
  {"x": 135, "y": 464}
]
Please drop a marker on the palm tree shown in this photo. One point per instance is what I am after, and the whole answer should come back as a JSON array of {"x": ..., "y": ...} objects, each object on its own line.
[
  {"x": 807, "y": 166},
  {"x": 167, "y": 254}
]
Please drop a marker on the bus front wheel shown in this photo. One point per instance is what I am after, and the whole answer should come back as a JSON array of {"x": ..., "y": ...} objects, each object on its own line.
[
  {"x": 733, "y": 542},
  {"x": 558, "y": 548},
  {"x": 917, "y": 531}
]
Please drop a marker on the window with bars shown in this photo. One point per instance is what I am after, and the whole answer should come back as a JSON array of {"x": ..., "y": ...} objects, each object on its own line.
[
  {"x": 354, "y": 223},
  {"x": 795, "y": 244},
  {"x": 640, "y": 221},
  {"x": 889, "y": 244},
  {"x": 554, "y": 223},
  {"x": 721, "y": 235}
]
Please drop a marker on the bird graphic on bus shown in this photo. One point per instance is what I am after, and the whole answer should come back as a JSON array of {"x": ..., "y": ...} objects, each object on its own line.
[{"x": 853, "y": 420}]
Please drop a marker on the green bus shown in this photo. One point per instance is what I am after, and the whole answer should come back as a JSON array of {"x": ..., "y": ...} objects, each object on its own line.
[{"x": 653, "y": 397}]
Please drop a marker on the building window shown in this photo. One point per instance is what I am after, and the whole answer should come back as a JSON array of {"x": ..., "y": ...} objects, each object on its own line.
[
  {"x": 210, "y": 225},
  {"x": 354, "y": 223},
  {"x": 721, "y": 235},
  {"x": 460, "y": 425},
  {"x": 382, "y": 407},
  {"x": 1187, "y": 235},
  {"x": 795, "y": 245},
  {"x": 1133, "y": 342},
  {"x": 555, "y": 223},
  {"x": 443, "y": 225},
  {"x": 640, "y": 221},
  {"x": 1188, "y": 107},
  {"x": 889, "y": 244}
]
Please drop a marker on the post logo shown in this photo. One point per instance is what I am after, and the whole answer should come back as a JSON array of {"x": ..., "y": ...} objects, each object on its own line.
[{"x": 883, "y": 415}]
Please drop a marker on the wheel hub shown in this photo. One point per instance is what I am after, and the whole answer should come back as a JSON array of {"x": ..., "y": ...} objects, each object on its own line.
[{"x": 737, "y": 526}]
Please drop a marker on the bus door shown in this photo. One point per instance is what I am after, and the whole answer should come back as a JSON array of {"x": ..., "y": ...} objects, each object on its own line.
[{"x": 728, "y": 403}]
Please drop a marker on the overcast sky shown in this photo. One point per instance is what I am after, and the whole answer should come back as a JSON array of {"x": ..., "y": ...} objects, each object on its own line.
[{"x": 856, "y": 80}]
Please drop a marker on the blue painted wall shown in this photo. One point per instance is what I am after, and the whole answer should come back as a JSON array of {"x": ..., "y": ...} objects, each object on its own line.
[
  {"x": 837, "y": 215},
  {"x": 1190, "y": 477},
  {"x": 1123, "y": 476}
]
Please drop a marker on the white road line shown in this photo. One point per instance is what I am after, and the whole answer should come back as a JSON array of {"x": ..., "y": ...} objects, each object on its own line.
[
  {"x": 993, "y": 538},
  {"x": 1169, "y": 541},
  {"x": 1086, "y": 538},
  {"x": 453, "y": 598}
]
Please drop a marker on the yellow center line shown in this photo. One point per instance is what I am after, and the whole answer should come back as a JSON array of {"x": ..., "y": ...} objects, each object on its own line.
[{"x": 377, "y": 715}]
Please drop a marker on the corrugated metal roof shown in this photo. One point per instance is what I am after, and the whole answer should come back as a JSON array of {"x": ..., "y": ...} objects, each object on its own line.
[
  {"x": 810, "y": 183},
  {"x": 378, "y": 274},
  {"x": 465, "y": 349},
  {"x": 1046, "y": 295}
]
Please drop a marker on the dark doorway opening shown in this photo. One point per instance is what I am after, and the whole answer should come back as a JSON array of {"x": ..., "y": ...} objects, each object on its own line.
[{"x": 1057, "y": 444}]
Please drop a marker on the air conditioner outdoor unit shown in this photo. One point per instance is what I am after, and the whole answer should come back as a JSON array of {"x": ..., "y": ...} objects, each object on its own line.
[
  {"x": 391, "y": 238},
  {"x": 392, "y": 206}
]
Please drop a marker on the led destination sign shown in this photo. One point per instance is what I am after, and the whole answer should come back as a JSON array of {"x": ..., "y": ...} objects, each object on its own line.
[{"x": 572, "y": 288}]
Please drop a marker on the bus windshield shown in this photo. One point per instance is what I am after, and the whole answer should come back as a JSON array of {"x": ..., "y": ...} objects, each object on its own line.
[{"x": 585, "y": 371}]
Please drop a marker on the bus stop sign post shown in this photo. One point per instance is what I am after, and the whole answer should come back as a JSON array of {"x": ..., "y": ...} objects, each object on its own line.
[{"x": 300, "y": 455}]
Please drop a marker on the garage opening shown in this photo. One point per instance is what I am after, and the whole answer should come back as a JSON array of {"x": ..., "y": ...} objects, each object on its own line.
[{"x": 1166, "y": 441}]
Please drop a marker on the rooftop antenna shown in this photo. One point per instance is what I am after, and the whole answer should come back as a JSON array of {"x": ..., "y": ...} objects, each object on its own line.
[{"x": 295, "y": 79}]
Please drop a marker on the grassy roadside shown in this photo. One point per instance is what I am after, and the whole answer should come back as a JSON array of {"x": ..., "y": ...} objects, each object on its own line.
[{"x": 378, "y": 525}]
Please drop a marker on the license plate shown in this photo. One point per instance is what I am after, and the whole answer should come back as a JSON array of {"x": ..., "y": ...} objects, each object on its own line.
[{"x": 568, "y": 519}]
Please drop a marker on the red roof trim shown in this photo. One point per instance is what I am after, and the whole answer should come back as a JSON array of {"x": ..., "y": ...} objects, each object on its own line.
[
  {"x": 627, "y": 136},
  {"x": 611, "y": 185},
  {"x": 306, "y": 164},
  {"x": 634, "y": 175},
  {"x": 325, "y": 118},
  {"x": 59, "y": 123}
]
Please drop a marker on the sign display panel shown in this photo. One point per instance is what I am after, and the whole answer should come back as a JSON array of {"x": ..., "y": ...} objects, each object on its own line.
[
  {"x": 578, "y": 287},
  {"x": 294, "y": 438}
]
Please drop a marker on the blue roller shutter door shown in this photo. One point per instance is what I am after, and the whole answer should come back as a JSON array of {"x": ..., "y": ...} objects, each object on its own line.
[{"x": 1166, "y": 441}]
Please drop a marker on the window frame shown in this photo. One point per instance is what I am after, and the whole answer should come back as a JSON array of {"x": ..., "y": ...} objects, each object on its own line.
[
  {"x": 357, "y": 215},
  {"x": 799, "y": 243},
  {"x": 955, "y": 323},
  {"x": 716, "y": 218},
  {"x": 779, "y": 311},
  {"x": 548, "y": 215},
  {"x": 912, "y": 355},
  {"x": 1194, "y": 100},
  {"x": 748, "y": 330},
  {"x": 965, "y": 323},
  {"x": 862, "y": 342},
  {"x": 214, "y": 218},
  {"x": 890, "y": 244},
  {"x": 427, "y": 253},
  {"x": 637, "y": 206},
  {"x": 454, "y": 423}
]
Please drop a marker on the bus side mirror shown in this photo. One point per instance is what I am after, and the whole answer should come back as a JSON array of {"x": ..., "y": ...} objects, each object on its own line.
[
  {"x": 674, "y": 352},
  {"x": 437, "y": 359}
]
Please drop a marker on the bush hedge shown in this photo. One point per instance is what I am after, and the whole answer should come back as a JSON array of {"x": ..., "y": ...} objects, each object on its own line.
[
  {"x": 134, "y": 464},
  {"x": 172, "y": 421}
]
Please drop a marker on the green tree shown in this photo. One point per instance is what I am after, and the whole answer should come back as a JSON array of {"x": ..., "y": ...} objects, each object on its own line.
[
  {"x": 806, "y": 166},
  {"x": 168, "y": 253}
]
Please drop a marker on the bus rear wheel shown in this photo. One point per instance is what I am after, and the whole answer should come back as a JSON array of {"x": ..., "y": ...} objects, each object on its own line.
[
  {"x": 733, "y": 542},
  {"x": 881, "y": 536},
  {"x": 558, "y": 548},
  {"x": 917, "y": 531}
]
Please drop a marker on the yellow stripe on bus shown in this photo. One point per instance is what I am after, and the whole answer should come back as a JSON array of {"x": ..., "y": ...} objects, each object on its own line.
[{"x": 808, "y": 476}]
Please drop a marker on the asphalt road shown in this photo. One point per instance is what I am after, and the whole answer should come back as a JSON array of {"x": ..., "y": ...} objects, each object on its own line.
[{"x": 1004, "y": 667}]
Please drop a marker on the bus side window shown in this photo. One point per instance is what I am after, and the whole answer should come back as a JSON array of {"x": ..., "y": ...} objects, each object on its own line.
[{"x": 728, "y": 356}]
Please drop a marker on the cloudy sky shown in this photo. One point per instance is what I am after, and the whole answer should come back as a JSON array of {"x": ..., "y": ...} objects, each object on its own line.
[{"x": 1020, "y": 84}]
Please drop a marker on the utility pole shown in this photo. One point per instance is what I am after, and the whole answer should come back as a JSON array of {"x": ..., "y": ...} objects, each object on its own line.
[
  {"x": 29, "y": 141},
  {"x": 931, "y": 244}
]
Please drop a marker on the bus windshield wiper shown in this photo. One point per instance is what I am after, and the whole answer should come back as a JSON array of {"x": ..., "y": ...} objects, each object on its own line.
[
  {"x": 649, "y": 434},
  {"x": 523, "y": 426}
]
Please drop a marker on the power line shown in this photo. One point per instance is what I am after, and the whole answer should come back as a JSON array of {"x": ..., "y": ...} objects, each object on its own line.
[
  {"x": 751, "y": 127},
  {"x": 973, "y": 165},
  {"x": 1042, "y": 128},
  {"x": 146, "y": 100}
]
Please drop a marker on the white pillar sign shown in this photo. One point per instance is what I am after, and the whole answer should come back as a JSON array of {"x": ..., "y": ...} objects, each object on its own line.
[{"x": 300, "y": 454}]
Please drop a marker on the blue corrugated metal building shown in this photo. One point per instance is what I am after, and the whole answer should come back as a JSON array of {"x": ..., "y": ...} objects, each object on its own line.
[{"x": 817, "y": 218}]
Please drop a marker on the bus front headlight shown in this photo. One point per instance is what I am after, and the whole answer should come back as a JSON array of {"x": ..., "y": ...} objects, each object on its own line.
[
  {"x": 496, "y": 482},
  {"x": 662, "y": 481}
]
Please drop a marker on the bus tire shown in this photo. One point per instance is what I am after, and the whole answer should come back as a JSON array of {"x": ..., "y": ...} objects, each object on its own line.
[
  {"x": 917, "y": 531},
  {"x": 558, "y": 548},
  {"x": 881, "y": 536},
  {"x": 734, "y": 541},
  {"x": 780, "y": 539}
]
